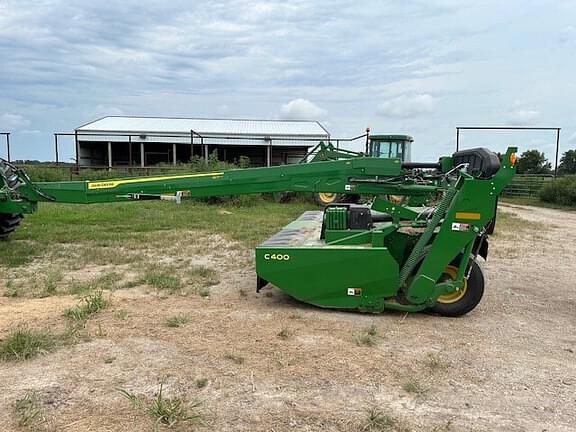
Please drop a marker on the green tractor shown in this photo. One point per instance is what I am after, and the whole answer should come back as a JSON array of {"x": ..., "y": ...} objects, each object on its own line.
[
  {"x": 361, "y": 257},
  {"x": 377, "y": 146}
]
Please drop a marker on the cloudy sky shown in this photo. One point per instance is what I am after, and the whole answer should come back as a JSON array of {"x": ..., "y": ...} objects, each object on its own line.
[{"x": 415, "y": 66}]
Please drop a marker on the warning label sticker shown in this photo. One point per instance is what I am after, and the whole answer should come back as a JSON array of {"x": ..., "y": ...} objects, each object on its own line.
[{"x": 456, "y": 226}]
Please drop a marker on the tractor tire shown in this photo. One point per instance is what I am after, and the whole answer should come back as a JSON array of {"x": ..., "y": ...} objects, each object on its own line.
[
  {"x": 461, "y": 302},
  {"x": 326, "y": 198},
  {"x": 8, "y": 223}
]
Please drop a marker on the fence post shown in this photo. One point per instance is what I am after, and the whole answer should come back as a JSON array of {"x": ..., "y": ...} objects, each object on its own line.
[
  {"x": 8, "y": 146},
  {"x": 557, "y": 148},
  {"x": 56, "y": 148}
]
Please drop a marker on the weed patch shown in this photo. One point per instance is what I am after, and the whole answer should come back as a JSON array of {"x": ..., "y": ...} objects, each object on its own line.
[
  {"x": 234, "y": 358},
  {"x": 89, "y": 305},
  {"x": 162, "y": 279},
  {"x": 167, "y": 411},
  {"x": 201, "y": 278},
  {"x": 24, "y": 343},
  {"x": 108, "y": 281},
  {"x": 368, "y": 337},
  {"x": 201, "y": 382},
  {"x": 415, "y": 387},
  {"x": 377, "y": 421},
  {"x": 435, "y": 363},
  {"x": 284, "y": 333},
  {"x": 29, "y": 411},
  {"x": 177, "y": 321},
  {"x": 36, "y": 285}
]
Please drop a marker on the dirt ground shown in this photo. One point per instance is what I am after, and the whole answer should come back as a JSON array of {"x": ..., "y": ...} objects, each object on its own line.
[{"x": 510, "y": 365}]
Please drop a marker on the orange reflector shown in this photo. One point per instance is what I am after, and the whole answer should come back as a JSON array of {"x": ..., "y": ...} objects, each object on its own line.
[
  {"x": 468, "y": 216},
  {"x": 513, "y": 159}
]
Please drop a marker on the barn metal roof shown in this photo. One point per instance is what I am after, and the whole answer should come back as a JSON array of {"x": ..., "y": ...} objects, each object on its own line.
[{"x": 204, "y": 126}]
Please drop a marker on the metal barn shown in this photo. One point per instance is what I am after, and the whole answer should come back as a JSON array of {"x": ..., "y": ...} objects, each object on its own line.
[{"x": 144, "y": 141}]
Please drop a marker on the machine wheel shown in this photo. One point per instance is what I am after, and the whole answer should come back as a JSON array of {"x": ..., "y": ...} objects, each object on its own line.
[
  {"x": 461, "y": 302},
  {"x": 8, "y": 223},
  {"x": 326, "y": 198}
]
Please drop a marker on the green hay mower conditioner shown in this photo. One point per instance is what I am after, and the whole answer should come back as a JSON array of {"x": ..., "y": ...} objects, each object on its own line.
[{"x": 385, "y": 255}]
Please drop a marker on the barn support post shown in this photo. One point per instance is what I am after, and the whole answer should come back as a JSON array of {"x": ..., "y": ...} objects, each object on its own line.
[
  {"x": 109, "y": 154},
  {"x": 269, "y": 153},
  {"x": 142, "y": 160},
  {"x": 191, "y": 144},
  {"x": 173, "y": 153},
  {"x": 130, "y": 151},
  {"x": 76, "y": 147}
]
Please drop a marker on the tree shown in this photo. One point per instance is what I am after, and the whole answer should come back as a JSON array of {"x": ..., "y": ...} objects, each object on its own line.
[
  {"x": 533, "y": 162},
  {"x": 568, "y": 163}
]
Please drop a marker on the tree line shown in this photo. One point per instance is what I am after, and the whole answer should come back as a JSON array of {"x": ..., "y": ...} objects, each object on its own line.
[{"x": 535, "y": 162}]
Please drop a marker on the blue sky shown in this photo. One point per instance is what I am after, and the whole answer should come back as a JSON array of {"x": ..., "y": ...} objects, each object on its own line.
[{"x": 414, "y": 66}]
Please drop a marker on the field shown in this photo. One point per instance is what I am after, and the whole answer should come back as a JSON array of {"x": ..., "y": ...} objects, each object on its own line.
[{"x": 144, "y": 316}]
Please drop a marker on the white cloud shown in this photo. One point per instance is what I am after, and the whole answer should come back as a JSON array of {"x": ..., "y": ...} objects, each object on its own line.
[
  {"x": 301, "y": 109},
  {"x": 9, "y": 122},
  {"x": 107, "y": 110},
  {"x": 406, "y": 106},
  {"x": 224, "y": 108},
  {"x": 522, "y": 117},
  {"x": 568, "y": 35}
]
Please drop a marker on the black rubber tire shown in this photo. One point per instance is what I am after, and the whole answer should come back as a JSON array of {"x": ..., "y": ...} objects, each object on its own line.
[
  {"x": 473, "y": 295},
  {"x": 323, "y": 203},
  {"x": 8, "y": 223}
]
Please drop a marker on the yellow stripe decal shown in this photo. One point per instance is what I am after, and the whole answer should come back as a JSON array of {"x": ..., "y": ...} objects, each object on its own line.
[
  {"x": 468, "y": 216},
  {"x": 111, "y": 184}
]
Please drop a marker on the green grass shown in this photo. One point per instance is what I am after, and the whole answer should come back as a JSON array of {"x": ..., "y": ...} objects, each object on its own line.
[
  {"x": 201, "y": 276},
  {"x": 32, "y": 284},
  {"x": 201, "y": 382},
  {"x": 105, "y": 229},
  {"x": 177, "y": 321},
  {"x": 162, "y": 279},
  {"x": 414, "y": 386},
  {"x": 376, "y": 420},
  {"x": 166, "y": 411},
  {"x": 89, "y": 305},
  {"x": 29, "y": 411},
  {"x": 24, "y": 343},
  {"x": 108, "y": 281},
  {"x": 170, "y": 411}
]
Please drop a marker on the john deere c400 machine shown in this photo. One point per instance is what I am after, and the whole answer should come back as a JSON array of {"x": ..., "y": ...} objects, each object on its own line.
[{"x": 348, "y": 256}]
